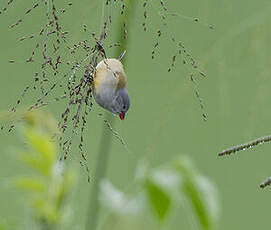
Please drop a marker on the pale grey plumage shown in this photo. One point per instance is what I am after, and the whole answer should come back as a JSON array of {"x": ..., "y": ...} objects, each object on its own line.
[{"x": 109, "y": 87}]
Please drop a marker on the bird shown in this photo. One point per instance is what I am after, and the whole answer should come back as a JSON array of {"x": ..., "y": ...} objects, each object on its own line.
[{"x": 109, "y": 86}]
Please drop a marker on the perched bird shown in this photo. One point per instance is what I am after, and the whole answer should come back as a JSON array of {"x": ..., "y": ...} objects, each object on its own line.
[{"x": 109, "y": 87}]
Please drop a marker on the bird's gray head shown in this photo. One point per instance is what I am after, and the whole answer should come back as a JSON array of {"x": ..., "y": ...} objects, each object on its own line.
[{"x": 121, "y": 103}]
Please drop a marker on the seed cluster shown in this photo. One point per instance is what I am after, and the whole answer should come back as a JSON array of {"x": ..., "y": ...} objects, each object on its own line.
[
  {"x": 57, "y": 54},
  {"x": 162, "y": 35},
  {"x": 52, "y": 46},
  {"x": 5, "y": 8}
]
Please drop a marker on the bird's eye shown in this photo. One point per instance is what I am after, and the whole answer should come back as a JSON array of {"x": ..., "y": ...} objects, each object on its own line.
[{"x": 124, "y": 107}]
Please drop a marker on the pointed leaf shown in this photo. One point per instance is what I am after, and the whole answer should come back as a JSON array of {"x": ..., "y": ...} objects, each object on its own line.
[
  {"x": 30, "y": 184},
  {"x": 158, "y": 198},
  {"x": 193, "y": 188}
]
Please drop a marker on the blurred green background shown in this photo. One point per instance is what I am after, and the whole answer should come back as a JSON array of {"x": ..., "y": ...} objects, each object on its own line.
[{"x": 165, "y": 117}]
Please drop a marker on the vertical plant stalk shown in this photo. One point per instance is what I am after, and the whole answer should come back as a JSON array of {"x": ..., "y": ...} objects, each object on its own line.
[{"x": 106, "y": 138}]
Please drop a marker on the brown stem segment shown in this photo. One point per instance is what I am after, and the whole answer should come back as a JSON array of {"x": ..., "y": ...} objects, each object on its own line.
[
  {"x": 266, "y": 183},
  {"x": 245, "y": 146}
]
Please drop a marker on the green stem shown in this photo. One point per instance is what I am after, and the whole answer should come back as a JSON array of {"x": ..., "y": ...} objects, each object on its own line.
[
  {"x": 106, "y": 138},
  {"x": 101, "y": 166}
]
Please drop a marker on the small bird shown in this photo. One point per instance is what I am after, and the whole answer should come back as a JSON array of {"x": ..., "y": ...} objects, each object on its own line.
[{"x": 109, "y": 87}]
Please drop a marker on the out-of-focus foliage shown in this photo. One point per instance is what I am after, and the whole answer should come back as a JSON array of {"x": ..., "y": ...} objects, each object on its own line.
[
  {"x": 39, "y": 119},
  {"x": 158, "y": 198},
  {"x": 3, "y": 226},
  {"x": 119, "y": 202},
  {"x": 49, "y": 184},
  {"x": 200, "y": 192},
  {"x": 160, "y": 190}
]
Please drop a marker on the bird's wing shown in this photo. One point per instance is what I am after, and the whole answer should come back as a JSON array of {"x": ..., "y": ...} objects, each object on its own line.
[
  {"x": 105, "y": 78},
  {"x": 109, "y": 73},
  {"x": 121, "y": 81}
]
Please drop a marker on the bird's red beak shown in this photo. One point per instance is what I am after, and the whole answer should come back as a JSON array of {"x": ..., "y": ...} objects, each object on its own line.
[{"x": 122, "y": 115}]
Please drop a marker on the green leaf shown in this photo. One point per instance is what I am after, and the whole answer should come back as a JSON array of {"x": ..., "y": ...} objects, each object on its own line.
[
  {"x": 62, "y": 183},
  {"x": 35, "y": 162},
  {"x": 42, "y": 144},
  {"x": 44, "y": 210},
  {"x": 158, "y": 198},
  {"x": 6, "y": 225},
  {"x": 44, "y": 152},
  {"x": 30, "y": 184},
  {"x": 194, "y": 188},
  {"x": 210, "y": 194},
  {"x": 3, "y": 226}
]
